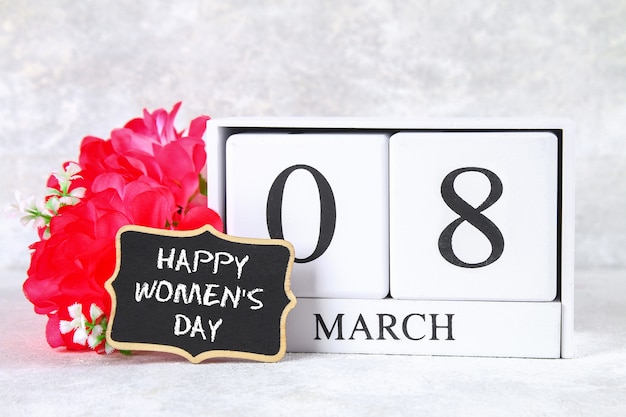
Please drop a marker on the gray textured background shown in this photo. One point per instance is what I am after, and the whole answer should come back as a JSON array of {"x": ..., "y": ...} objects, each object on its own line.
[{"x": 73, "y": 68}]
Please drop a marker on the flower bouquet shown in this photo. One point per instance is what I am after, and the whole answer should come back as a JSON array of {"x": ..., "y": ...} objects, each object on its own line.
[{"x": 146, "y": 174}]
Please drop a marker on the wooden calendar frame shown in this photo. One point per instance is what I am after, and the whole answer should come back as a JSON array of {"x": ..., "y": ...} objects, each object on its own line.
[{"x": 518, "y": 326}]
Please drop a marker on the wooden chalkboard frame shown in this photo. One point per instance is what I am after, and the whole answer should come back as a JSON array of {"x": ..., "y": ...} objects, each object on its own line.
[{"x": 147, "y": 232}]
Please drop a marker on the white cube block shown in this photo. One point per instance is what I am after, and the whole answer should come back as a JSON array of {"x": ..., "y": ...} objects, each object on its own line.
[
  {"x": 426, "y": 327},
  {"x": 327, "y": 194},
  {"x": 473, "y": 215}
]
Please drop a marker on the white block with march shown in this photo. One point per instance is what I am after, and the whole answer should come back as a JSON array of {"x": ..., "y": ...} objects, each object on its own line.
[
  {"x": 325, "y": 193},
  {"x": 473, "y": 215},
  {"x": 463, "y": 328}
]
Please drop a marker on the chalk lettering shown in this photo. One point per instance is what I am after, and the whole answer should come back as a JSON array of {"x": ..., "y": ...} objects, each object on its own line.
[
  {"x": 251, "y": 296},
  {"x": 240, "y": 264},
  {"x": 144, "y": 290},
  {"x": 168, "y": 288},
  {"x": 197, "y": 328},
  {"x": 183, "y": 326},
  {"x": 214, "y": 327},
  {"x": 164, "y": 291},
  {"x": 234, "y": 298},
  {"x": 208, "y": 293},
  {"x": 182, "y": 261},
  {"x": 197, "y": 259},
  {"x": 216, "y": 263},
  {"x": 200, "y": 256},
  {"x": 181, "y": 291},
  {"x": 169, "y": 259},
  {"x": 180, "y": 318}
]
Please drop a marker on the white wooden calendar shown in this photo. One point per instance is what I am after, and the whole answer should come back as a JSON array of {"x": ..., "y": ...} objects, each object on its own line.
[{"x": 438, "y": 237}]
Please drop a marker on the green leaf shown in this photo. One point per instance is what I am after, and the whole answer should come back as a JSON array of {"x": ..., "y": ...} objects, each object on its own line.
[{"x": 202, "y": 185}]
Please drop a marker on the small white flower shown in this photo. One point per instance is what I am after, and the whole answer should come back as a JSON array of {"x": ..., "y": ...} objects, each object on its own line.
[
  {"x": 53, "y": 204},
  {"x": 108, "y": 349},
  {"x": 19, "y": 204},
  {"x": 88, "y": 333},
  {"x": 95, "y": 337},
  {"x": 77, "y": 324},
  {"x": 73, "y": 197},
  {"x": 63, "y": 196},
  {"x": 68, "y": 174},
  {"x": 95, "y": 312},
  {"x": 30, "y": 209},
  {"x": 80, "y": 336}
]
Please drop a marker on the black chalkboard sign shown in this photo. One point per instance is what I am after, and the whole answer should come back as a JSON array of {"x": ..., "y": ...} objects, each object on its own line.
[{"x": 201, "y": 294}]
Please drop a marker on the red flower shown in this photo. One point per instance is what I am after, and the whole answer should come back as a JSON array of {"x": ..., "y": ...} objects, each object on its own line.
[{"x": 147, "y": 174}]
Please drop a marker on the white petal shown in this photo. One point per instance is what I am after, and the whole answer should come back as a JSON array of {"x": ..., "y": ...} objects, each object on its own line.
[
  {"x": 80, "y": 336},
  {"x": 78, "y": 192},
  {"x": 75, "y": 310},
  {"x": 52, "y": 205},
  {"x": 27, "y": 218},
  {"x": 53, "y": 192},
  {"x": 17, "y": 195},
  {"x": 66, "y": 201},
  {"x": 30, "y": 203},
  {"x": 95, "y": 312},
  {"x": 94, "y": 338},
  {"x": 92, "y": 341},
  {"x": 39, "y": 223},
  {"x": 108, "y": 349},
  {"x": 66, "y": 326},
  {"x": 97, "y": 330},
  {"x": 72, "y": 169}
]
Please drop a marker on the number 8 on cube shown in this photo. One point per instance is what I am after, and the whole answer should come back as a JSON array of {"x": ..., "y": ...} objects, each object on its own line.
[{"x": 473, "y": 215}]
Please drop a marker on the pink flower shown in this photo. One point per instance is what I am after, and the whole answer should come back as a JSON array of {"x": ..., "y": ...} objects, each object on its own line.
[{"x": 147, "y": 174}]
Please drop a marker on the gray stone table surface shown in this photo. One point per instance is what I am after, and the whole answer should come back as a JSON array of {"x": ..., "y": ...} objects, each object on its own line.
[{"x": 37, "y": 380}]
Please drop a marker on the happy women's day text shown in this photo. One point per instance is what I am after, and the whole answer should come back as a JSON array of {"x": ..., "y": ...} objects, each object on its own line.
[{"x": 206, "y": 294}]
